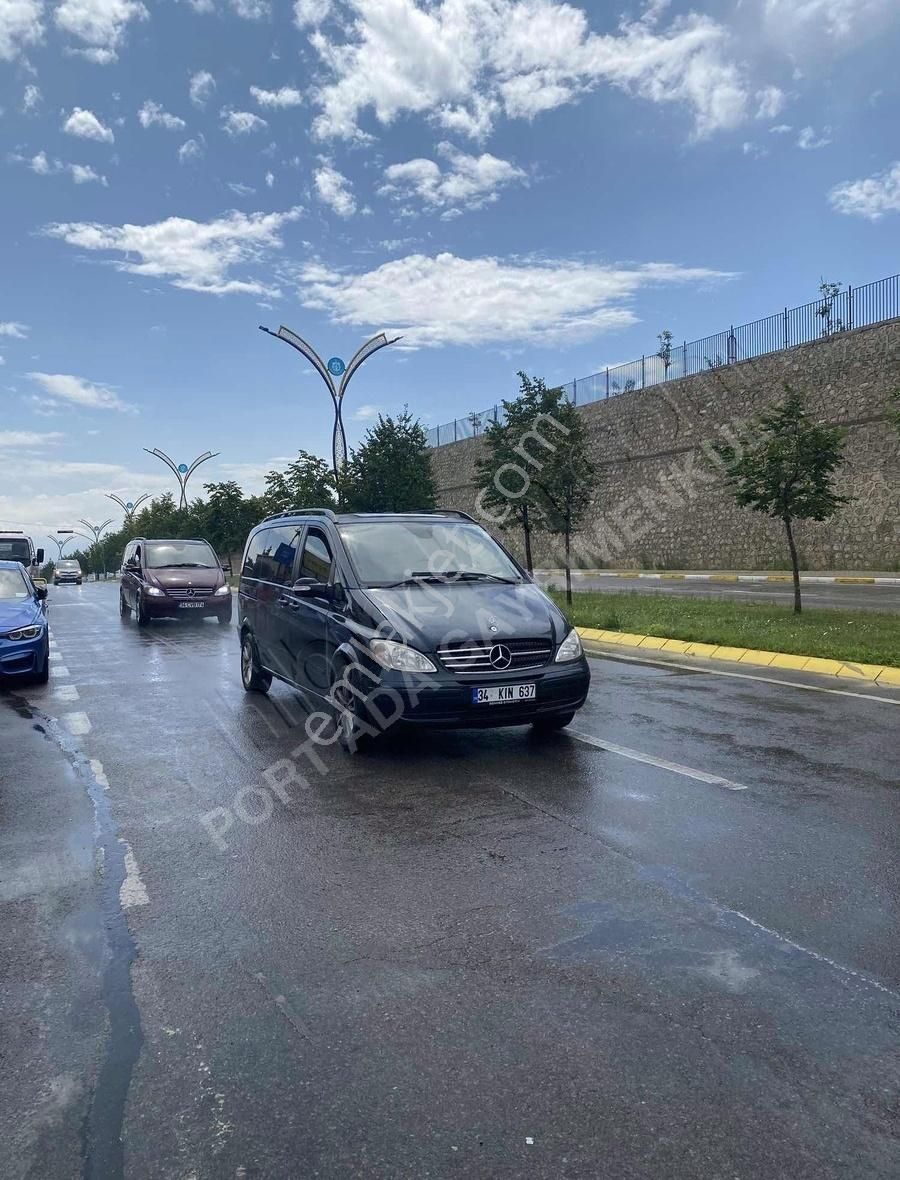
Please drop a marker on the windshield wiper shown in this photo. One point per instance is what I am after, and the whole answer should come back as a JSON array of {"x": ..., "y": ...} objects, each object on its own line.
[
  {"x": 416, "y": 578},
  {"x": 188, "y": 565}
]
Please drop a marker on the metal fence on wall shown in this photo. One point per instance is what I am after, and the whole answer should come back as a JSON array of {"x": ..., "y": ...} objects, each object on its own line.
[{"x": 855, "y": 307}]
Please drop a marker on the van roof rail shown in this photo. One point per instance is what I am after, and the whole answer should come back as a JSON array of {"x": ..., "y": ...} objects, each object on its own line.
[
  {"x": 448, "y": 512},
  {"x": 301, "y": 512}
]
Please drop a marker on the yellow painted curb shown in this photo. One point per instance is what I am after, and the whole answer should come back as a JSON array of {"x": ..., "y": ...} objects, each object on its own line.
[
  {"x": 856, "y": 581},
  {"x": 761, "y": 658},
  {"x": 872, "y": 673},
  {"x": 783, "y": 660},
  {"x": 702, "y": 649},
  {"x": 654, "y": 642},
  {"x": 724, "y": 578},
  {"x": 676, "y": 645}
]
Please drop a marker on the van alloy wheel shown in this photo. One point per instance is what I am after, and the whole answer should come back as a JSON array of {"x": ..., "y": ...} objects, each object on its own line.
[{"x": 253, "y": 677}]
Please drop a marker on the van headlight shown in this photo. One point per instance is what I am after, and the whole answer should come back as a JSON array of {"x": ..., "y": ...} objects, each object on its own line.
[
  {"x": 25, "y": 633},
  {"x": 222, "y": 591},
  {"x": 570, "y": 648},
  {"x": 154, "y": 591},
  {"x": 400, "y": 658}
]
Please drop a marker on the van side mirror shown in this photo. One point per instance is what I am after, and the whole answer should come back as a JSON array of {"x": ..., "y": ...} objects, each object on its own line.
[
  {"x": 39, "y": 557},
  {"x": 40, "y": 592}
]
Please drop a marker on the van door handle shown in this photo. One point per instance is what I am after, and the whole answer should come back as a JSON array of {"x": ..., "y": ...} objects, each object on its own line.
[{"x": 291, "y": 602}]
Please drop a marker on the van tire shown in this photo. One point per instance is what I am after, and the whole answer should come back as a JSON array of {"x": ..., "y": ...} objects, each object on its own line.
[
  {"x": 253, "y": 677},
  {"x": 142, "y": 617},
  {"x": 353, "y": 738},
  {"x": 124, "y": 608}
]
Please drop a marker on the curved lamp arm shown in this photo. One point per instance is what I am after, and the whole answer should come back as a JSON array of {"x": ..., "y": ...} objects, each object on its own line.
[
  {"x": 200, "y": 459},
  {"x": 362, "y": 354}
]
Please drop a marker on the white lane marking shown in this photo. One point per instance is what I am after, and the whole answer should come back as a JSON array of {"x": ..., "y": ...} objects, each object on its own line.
[
  {"x": 64, "y": 692},
  {"x": 99, "y": 774},
  {"x": 132, "y": 891},
  {"x": 78, "y": 724},
  {"x": 54, "y": 655},
  {"x": 807, "y": 951},
  {"x": 840, "y": 692},
  {"x": 701, "y": 776},
  {"x": 58, "y": 671}
]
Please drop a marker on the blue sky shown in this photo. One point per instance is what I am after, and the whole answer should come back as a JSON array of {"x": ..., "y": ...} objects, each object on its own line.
[{"x": 509, "y": 183}]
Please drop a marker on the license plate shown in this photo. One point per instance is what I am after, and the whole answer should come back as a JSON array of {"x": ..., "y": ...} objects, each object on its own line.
[
  {"x": 503, "y": 694},
  {"x": 192, "y": 605}
]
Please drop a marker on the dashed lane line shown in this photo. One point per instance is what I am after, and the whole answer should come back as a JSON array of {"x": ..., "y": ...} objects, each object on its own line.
[
  {"x": 702, "y": 776},
  {"x": 78, "y": 724}
]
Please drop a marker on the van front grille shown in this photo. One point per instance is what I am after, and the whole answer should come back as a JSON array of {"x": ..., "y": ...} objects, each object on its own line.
[
  {"x": 475, "y": 657},
  {"x": 190, "y": 592}
]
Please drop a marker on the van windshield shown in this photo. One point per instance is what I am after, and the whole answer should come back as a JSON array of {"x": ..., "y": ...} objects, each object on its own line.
[
  {"x": 391, "y": 552},
  {"x": 15, "y": 550},
  {"x": 179, "y": 554}
]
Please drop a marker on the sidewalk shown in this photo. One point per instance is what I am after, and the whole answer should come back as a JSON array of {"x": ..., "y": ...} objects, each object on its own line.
[{"x": 850, "y": 577}]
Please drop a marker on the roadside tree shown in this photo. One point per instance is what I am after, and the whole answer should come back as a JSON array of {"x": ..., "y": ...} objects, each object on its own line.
[
  {"x": 507, "y": 495},
  {"x": 784, "y": 465},
  {"x": 566, "y": 483},
  {"x": 391, "y": 469}
]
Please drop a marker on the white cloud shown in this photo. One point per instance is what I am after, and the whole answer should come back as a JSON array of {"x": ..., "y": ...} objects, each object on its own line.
[
  {"x": 201, "y": 88},
  {"x": 870, "y": 197},
  {"x": 801, "y": 23},
  {"x": 468, "y": 182},
  {"x": 441, "y": 300},
  {"x": 86, "y": 125},
  {"x": 13, "y": 330},
  {"x": 334, "y": 190},
  {"x": 191, "y": 149},
  {"x": 63, "y": 387},
  {"x": 20, "y": 26},
  {"x": 241, "y": 190},
  {"x": 770, "y": 102},
  {"x": 311, "y": 12},
  {"x": 781, "y": 129},
  {"x": 287, "y": 96},
  {"x": 251, "y": 9},
  {"x": 85, "y": 174},
  {"x": 30, "y": 438},
  {"x": 460, "y": 60},
  {"x": 100, "y": 24},
  {"x": 241, "y": 122},
  {"x": 152, "y": 114},
  {"x": 192, "y": 255},
  {"x": 809, "y": 139},
  {"x": 366, "y": 413},
  {"x": 270, "y": 179},
  {"x": 31, "y": 98}
]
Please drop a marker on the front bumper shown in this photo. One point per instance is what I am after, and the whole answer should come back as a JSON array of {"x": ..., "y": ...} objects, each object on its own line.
[
  {"x": 22, "y": 657},
  {"x": 445, "y": 701},
  {"x": 178, "y": 608},
  {"x": 59, "y": 579}
]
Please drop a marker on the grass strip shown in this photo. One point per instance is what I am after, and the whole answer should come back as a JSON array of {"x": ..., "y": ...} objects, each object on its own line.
[{"x": 869, "y": 637}]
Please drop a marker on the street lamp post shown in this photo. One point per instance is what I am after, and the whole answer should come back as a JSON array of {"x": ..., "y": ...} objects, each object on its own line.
[
  {"x": 96, "y": 530},
  {"x": 328, "y": 371},
  {"x": 60, "y": 545},
  {"x": 182, "y": 471},
  {"x": 129, "y": 507}
]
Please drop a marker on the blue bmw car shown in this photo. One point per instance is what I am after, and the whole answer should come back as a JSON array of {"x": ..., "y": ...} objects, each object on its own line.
[{"x": 24, "y": 640}]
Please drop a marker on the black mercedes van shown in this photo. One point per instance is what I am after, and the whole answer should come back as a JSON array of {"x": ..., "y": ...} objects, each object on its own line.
[{"x": 416, "y": 618}]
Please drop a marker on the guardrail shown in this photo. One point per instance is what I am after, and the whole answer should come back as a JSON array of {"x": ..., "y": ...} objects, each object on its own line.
[{"x": 832, "y": 313}]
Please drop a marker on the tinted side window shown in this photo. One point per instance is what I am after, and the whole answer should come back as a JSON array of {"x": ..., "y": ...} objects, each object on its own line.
[
  {"x": 317, "y": 560},
  {"x": 270, "y": 555}
]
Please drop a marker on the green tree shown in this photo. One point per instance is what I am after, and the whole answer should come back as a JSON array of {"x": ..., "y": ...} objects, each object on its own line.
[
  {"x": 391, "y": 469},
  {"x": 507, "y": 495},
  {"x": 307, "y": 482},
  {"x": 229, "y": 515},
  {"x": 566, "y": 481},
  {"x": 664, "y": 352},
  {"x": 784, "y": 465}
]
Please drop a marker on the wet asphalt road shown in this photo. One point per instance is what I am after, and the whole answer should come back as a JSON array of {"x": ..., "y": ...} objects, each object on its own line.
[
  {"x": 836, "y": 595},
  {"x": 467, "y": 954}
]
